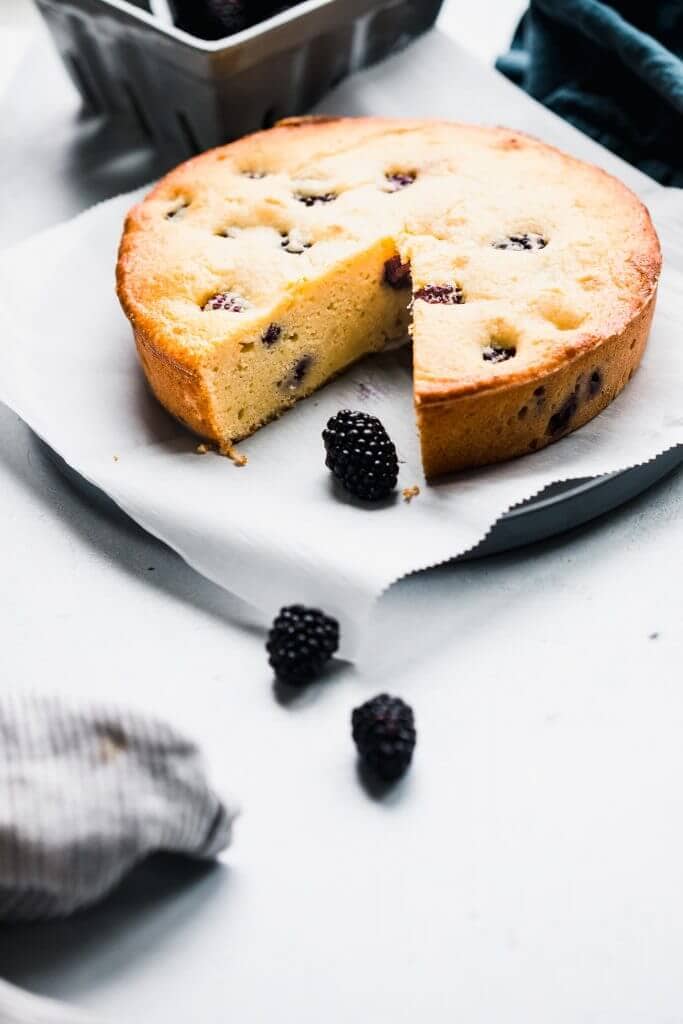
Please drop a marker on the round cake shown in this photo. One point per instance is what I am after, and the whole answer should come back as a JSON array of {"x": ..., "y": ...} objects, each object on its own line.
[{"x": 256, "y": 272}]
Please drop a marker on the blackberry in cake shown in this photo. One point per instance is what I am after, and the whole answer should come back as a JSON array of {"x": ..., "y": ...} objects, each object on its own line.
[{"x": 258, "y": 271}]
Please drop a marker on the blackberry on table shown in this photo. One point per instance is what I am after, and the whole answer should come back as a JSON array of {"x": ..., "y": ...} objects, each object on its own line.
[
  {"x": 300, "y": 643},
  {"x": 384, "y": 733},
  {"x": 361, "y": 455}
]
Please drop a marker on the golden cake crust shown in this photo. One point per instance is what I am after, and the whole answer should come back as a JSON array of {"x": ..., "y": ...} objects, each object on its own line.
[
  {"x": 578, "y": 312},
  {"x": 494, "y": 425}
]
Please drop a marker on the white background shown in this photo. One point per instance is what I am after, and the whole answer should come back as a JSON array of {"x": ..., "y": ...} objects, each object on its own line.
[{"x": 527, "y": 870}]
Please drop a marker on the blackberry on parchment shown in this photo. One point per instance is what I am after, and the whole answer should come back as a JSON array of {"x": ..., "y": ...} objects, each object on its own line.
[{"x": 361, "y": 455}]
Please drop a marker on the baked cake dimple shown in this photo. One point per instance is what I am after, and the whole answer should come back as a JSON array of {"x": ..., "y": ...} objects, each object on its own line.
[{"x": 256, "y": 272}]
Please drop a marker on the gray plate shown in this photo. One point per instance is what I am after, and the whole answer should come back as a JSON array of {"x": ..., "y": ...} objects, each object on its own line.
[
  {"x": 558, "y": 508},
  {"x": 566, "y": 505}
]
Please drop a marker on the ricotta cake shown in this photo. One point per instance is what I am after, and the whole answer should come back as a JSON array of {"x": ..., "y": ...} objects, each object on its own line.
[{"x": 256, "y": 272}]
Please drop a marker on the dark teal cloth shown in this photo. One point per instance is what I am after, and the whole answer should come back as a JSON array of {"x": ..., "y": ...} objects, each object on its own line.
[{"x": 614, "y": 70}]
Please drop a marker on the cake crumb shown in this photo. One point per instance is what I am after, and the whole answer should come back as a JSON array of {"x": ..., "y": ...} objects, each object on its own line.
[
  {"x": 116, "y": 458},
  {"x": 203, "y": 449},
  {"x": 231, "y": 453},
  {"x": 410, "y": 492}
]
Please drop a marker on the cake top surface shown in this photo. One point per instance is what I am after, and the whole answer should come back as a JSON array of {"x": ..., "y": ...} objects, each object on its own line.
[{"x": 512, "y": 244}]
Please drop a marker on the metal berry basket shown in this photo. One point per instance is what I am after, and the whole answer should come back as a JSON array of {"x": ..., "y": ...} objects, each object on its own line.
[{"x": 189, "y": 94}]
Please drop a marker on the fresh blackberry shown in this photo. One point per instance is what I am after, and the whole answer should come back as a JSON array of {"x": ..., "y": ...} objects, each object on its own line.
[
  {"x": 384, "y": 733},
  {"x": 361, "y": 455},
  {"x": 300, "y": 643}
]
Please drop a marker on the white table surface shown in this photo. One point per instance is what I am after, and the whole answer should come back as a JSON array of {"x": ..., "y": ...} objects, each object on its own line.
[{"x": 527, "y": 870}]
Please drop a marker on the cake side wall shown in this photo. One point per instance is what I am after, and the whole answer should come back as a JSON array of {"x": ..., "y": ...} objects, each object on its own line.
[
  {"x": 476, "y": 430},
  {"x": 180, "y": 389}
]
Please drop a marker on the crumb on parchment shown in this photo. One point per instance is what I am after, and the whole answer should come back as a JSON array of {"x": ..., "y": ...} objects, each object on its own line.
[
  {"x": 231, "y": 453},
  {"x": 116, "y": 458},
  {"x": 410, "y": 492},
  {"x": 226, "y": 450}
]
